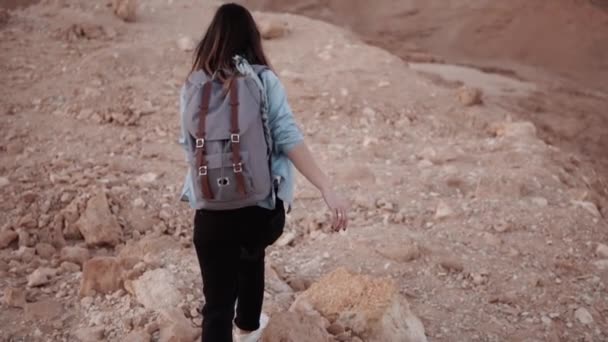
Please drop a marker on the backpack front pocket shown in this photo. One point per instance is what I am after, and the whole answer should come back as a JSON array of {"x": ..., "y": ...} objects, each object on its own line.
[{"x": 222, "y": 174}]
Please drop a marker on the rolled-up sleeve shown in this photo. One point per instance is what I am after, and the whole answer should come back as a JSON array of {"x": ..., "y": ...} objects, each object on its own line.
[{"x": 285, "y": 131}]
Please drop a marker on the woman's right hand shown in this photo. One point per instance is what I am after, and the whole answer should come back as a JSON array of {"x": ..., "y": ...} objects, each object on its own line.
[{"x": 339, "y": 207}]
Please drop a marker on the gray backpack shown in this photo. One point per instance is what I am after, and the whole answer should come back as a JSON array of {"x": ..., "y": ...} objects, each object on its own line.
[{"x": 229, "y": 157}]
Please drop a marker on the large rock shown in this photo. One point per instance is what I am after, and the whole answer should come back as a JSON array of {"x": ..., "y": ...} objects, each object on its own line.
[
  {"x": 97, "y": 224},
  {"x": 155, "y": 290},
  {"x": 101, "y": 275},
  {"x": 45, "y": 250},
  {"x": 125, "y": 9},
  {"x": 7, "y": 237},
  {"x": 295, "y": 327},
  {"x": 371, "y": 308}
]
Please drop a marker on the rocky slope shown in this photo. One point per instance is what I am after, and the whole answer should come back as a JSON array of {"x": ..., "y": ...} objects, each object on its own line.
[{"x": 466, "y": 226}]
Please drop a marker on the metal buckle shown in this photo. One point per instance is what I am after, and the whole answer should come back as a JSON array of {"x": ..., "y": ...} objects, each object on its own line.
[
  {"x": 235, "y": 138},
  {"x": 200, "y": 143},
  {"x": 202, "y": 171},
  {"x": 223, "y": 182},
  {"x": 238, "y": 168}
]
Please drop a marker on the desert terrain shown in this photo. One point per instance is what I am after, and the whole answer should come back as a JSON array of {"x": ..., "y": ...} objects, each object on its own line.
[{"x": 470, "y": 136}]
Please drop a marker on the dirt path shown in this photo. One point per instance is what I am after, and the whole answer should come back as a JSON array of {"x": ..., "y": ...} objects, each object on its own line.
[{"x": 490, "y": 233}]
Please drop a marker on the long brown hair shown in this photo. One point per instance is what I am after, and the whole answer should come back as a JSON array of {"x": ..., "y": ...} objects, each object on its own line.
[{"x": 232, "y": 31}]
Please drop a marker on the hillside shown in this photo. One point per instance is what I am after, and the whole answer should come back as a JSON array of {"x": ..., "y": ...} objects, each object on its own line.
[{"x": 464, "y": 215}]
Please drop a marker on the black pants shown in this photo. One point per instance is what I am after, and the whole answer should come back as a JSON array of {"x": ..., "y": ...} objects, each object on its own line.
[{"x": 230, "y": 246}]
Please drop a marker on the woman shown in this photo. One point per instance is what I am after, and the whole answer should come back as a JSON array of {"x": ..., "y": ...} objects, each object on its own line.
[{"x": 230, "y": 243}]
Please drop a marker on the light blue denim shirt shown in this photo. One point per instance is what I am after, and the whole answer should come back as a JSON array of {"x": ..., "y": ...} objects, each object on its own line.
[{"x": 284, "y": 132}]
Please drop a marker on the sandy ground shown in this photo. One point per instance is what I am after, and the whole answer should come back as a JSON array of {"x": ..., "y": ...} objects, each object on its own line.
[{"x": 503, "y": 220}]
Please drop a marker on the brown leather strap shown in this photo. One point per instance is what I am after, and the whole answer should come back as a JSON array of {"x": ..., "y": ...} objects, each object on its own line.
[
  {"x": 235, "y": 138},
  {"x": 201, "y": 144}
]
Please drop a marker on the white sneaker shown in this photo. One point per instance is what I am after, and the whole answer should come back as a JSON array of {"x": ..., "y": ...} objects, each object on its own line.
[{"x": 253, "y": 336}]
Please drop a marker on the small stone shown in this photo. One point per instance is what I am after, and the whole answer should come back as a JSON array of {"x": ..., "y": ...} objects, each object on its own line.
[
  {"x": 4, "y": 182},
  {"x": 149, "y": 177},
  {"x": 451, "y": 265},
  {"x": 601, "y": 264},
  {"x": 589, "y": 206},
  {"x": 97, "y": 224},
  {"x": 14, "y": 297},
  {"x": 176, "y": 327},
  {"x": 138, "y": 336},
  {"x": 156, "y": 290},
  {"x": 443, "y": 211},
  {"x": 583, "y": 316},
  {"x": 69, "y": 267},
  {"x": 601, "y": 250},
  {"x": 271, "y": 28},
  {"x": 41, "y": 276},
  {"x": 125, "y": 9},
  {"x": 369, "y": 112},
  {"x": 540, "y": 201},
  {"x": 74, "y": 254},
  {"x": 101, "y": 275},
  {"x": 45, "y": 250},
  {"x": 186, "y": 44},
  {"x": 86, "y": 302},
  {"x": 26, "y": 254},
  {"x": 424, "y": 164},
  {"x": 286, "y": 239},
  {"x": 92, "y": 334},
  {"x": 403, "y": 252},
  {"x": 7, "y": 237},
  {"x": 29, "y": 197},
  {"x": 139, "y": 202},
  {"x": 469, "y": 96},
  {"x": 45, "y": 310},
  {"x": 335, "y": 329},
  {"x": 521, "y": 129}
]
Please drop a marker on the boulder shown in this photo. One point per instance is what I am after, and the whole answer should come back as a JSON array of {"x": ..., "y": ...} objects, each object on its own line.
[
  {"x": 370, "y": 307},
  {"x": 602, "y": 250},
  {"x": 101, "y": 275},
  {"x": 155, "y": 290},
  {"x": 125, "y": 9},
  {"x": 295, "y": 327},
  {"x": 97, "y": 224}
]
